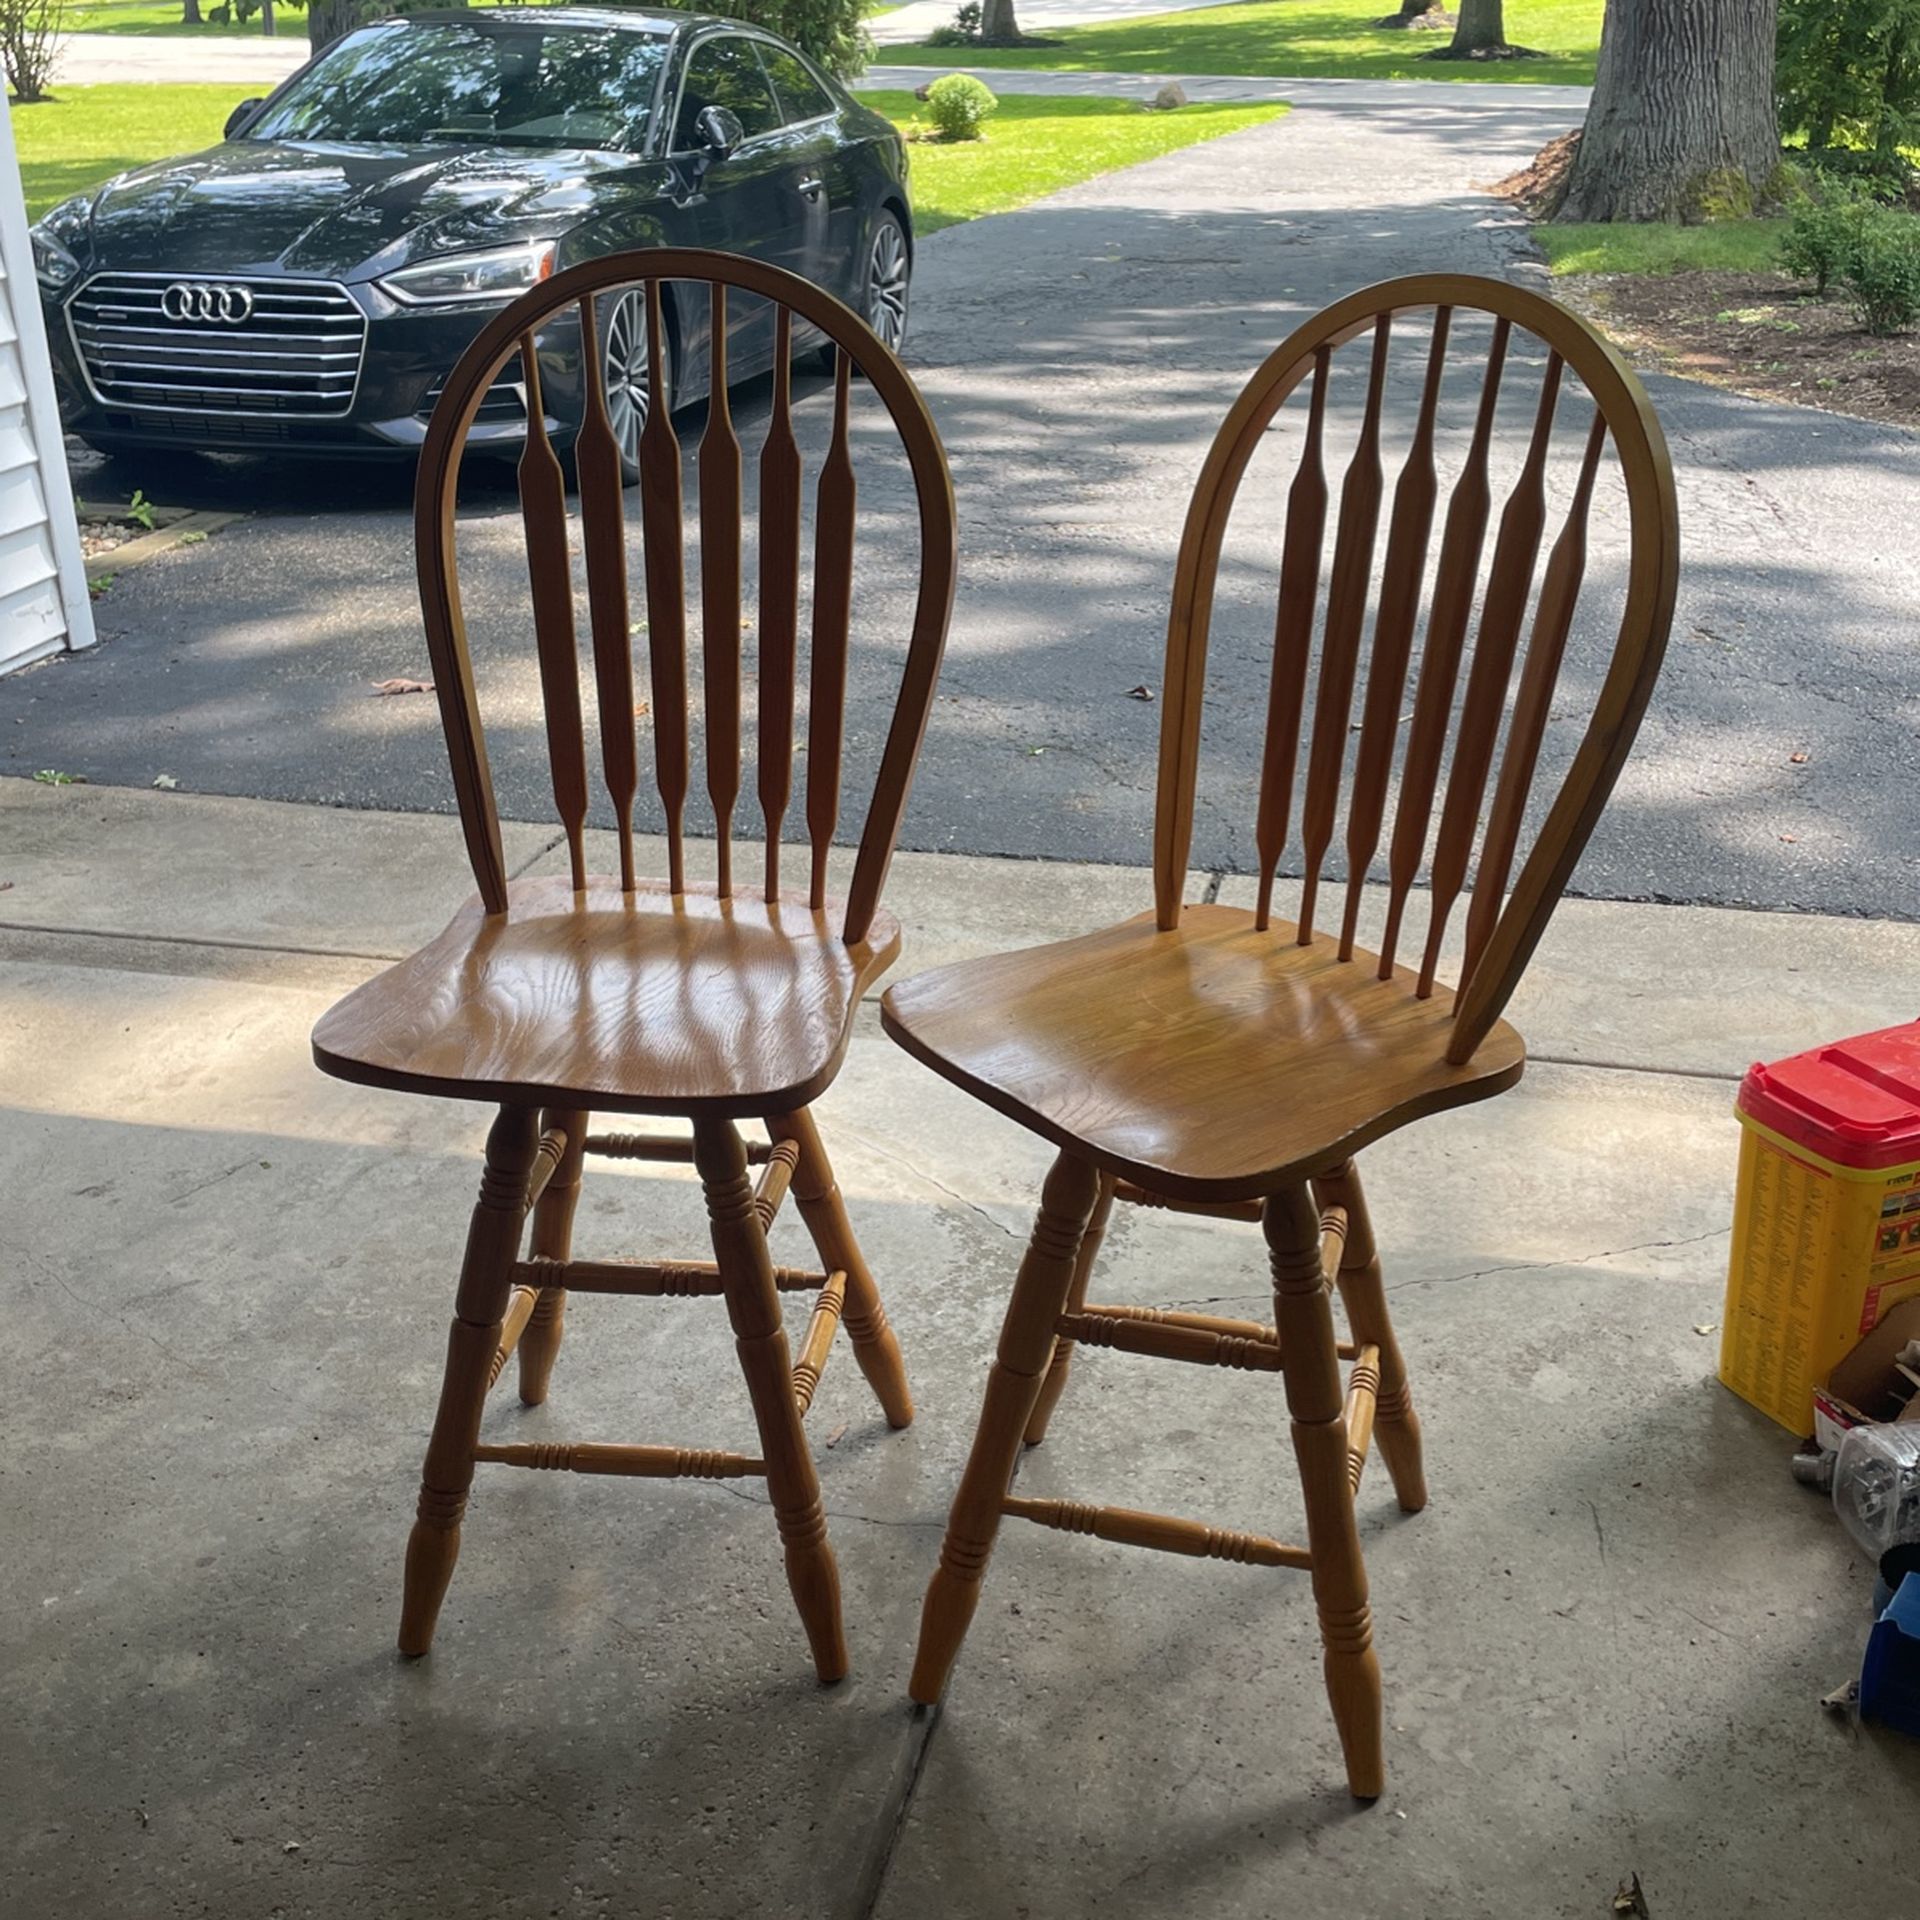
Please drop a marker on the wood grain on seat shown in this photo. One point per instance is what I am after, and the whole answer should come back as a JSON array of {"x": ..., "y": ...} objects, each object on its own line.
[
  {"x": 1212, "y": 1062},
  {"x": 642, "y": 1002}
]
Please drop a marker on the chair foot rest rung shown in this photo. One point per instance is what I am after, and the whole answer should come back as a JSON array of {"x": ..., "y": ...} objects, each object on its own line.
[
  {"x": 1363, "y": 1397},
  {"x": 654, "y": 1279},
  {"x": 1206, "y": 1323},
  {"x": 648, "y": 1463},
  {"x": 1333, "y": 1242},
  {"x": 1215, "y": 1209},
  {"x": 782, "y": 1158},
  {"x": 1333, "y": 1221},
  {"x": 819, "y": 1340},
  {"x": 674, "y": 1148},
  {"x": 546, "y": 1156},
  {"x": 1160, "y": 1531},
  {"x": 512, "y": 1326},
  {"x": 1189, "y": 1337}
]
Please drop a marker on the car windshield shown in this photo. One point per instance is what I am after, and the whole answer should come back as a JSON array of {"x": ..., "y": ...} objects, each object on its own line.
[{"x": 459, "y": 84}]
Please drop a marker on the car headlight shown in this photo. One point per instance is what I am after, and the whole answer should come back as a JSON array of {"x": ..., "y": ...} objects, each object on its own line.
[
  {"x": 495, "y": 275},
  {"x": 53, "y": 265}
]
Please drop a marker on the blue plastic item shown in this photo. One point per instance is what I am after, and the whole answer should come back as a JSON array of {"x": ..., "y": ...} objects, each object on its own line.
[{"x": 1890, "y": 1678}]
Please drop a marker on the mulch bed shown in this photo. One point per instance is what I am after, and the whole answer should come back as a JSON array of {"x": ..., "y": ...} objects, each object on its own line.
[{"x": 1759, "y": 334}]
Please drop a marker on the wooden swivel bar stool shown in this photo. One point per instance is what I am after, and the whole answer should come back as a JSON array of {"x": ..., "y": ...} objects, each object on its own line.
[
  {"x": 1219, "y": 1061},
  {"x": 711, "y": 1000}
]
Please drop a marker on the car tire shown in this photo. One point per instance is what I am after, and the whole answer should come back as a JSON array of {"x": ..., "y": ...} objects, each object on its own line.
[
  {"x": 623, "y": 365},
  {"x": 884, "y": 283}
]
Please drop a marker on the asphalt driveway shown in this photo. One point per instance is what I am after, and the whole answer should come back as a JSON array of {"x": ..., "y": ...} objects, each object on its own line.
[{"x": 1078, "y": 356}]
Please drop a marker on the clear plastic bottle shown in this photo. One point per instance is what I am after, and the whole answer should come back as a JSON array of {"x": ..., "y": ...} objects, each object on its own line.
[{"x": 1876, "y": 1485}]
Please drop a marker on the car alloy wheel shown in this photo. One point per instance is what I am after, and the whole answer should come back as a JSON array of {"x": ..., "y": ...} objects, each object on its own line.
[
  {"x": 887, "y": 273},
  {"x": 629, "y": 388}
]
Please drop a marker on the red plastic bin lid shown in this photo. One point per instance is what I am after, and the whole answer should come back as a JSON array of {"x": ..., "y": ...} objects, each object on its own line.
[{"x": 1856, "y": 1102}]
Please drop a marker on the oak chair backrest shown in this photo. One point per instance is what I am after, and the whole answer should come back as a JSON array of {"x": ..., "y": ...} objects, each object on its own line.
[
  {"x": 571, "y": 305},
  {"x": 1321, "y": 620}
]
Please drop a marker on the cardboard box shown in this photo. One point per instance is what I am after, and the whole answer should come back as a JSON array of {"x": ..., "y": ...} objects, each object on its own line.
[{"x": 1866, "y": 1387}]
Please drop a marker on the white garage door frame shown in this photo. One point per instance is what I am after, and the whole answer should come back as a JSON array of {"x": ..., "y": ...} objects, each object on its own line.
[{"x": 43, "y": 581}]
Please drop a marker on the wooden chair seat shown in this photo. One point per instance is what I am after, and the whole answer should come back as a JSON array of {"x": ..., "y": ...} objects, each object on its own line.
[
  {"x": 1212, "y": 1062},
  {"x": 644, "y": 1002}
]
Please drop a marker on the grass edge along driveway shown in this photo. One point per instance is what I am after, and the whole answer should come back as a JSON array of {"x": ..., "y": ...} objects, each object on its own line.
[
  {"x": 1035, "y": 144},
  {"x": 1297, "y": 39}
]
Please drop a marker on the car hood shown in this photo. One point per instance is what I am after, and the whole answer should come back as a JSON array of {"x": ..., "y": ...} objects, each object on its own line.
[{"x": 314, "y": 207}]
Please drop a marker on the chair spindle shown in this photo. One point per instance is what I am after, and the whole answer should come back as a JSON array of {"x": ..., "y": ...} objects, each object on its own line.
[
  {"x": 1509, "y": 579},
  {"x": 603, "y": 532},
  {"x": 1459, "y": 567},
  {"x": 543, "y": 512},
  {"x": 666, "y": 599},
  {"x": 1292, "y": 638},
  {"x": 1402, "y": 576},
  {"x": 1552, "y": 622},
  {"x": 720, "y": 598},
  {"x": 1353, "y": 545},
  {"x": 779, "y": 598},
  {"x": 832, "y": 619}
]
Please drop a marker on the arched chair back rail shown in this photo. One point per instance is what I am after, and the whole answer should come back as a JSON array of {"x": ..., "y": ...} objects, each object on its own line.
[
  {"x": 574, "y": 305},
  {"x": 709, "y": 1001},
  {"x": 1216, "y": 1061}
]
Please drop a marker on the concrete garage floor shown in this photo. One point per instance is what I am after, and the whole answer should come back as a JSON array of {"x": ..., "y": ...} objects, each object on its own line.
[{"x": 226, "y": 1280}]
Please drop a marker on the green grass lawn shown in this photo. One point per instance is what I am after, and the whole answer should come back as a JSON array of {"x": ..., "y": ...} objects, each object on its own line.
[
  {"x": 1036, "y": 144},
  {"x": 163, "y": 17},
  {"x": 1722, "y": 246},
  {"x": 1332, "y": 38},
  {"x": 1033, "y": 146},
  {"x": 87, "y": 134}
]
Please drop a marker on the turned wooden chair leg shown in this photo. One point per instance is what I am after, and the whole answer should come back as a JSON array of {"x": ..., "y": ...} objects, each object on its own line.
[
  {"x": 1013, "y": 1383},
  {"x": 753, "y": 1305},
  {"x": 486, "y": 1279},
  {"x": 552, "y": 1239},
  {"x": 1055, "y": 1384},
  {"x": 1396, "y": 1427},
  {"x": 1311, "y": 1368},
  {"x": 817, "y": 1194}
]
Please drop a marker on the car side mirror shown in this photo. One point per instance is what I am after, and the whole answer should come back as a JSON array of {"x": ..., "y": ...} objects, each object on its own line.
[
  {"x": 237, "y": 120},
  {"x": 720, "y": 130}
]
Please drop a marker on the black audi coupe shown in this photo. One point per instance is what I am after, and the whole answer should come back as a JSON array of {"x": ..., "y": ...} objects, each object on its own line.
[{"x": 308, "y": 283}]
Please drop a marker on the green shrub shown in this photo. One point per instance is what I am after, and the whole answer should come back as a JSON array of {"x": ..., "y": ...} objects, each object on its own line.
[
  {"x": 1883, "y": 276},
  {"x": 964, "y": 32},
  {"x": 1824, "y": 235},
  {"x": 960, "y": 105}
]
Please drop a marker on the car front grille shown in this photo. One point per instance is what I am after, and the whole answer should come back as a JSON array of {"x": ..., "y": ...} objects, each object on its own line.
[{"x": 295, "y": 352}]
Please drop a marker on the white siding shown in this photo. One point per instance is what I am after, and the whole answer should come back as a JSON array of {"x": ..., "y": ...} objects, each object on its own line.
[{"x": 43, "y": 588}]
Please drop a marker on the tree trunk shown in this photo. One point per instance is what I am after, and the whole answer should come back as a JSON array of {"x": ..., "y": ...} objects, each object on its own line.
[
  {"x": 266, "y": 18},
  {"x": 1682, "y": 123},
  {"x": 998, "y": 27},
  {"x": 190, "y": 14},
  {"x": 327, "y": 20},
  {"x": 1481, "y": 28}
]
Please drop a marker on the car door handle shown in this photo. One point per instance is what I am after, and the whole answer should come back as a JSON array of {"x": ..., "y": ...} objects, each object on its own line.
[{"x": 811, "y": 185}]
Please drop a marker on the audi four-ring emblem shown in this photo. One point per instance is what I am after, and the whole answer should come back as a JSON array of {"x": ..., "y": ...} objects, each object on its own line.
[{"x": 206, "y": 300}]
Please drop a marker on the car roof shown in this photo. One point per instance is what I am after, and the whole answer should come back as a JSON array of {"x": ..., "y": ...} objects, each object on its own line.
[{"x": 635, "y": 19}]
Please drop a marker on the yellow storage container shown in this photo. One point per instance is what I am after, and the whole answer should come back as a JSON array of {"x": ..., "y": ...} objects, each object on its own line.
[{"x": 1826, "y": 1226}]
